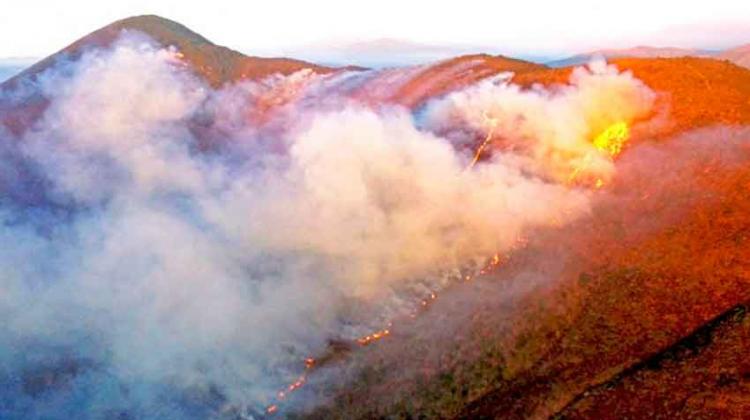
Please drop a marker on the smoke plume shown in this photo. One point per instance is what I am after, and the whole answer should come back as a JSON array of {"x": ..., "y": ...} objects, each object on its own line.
[{"x": 167, "y": 242}]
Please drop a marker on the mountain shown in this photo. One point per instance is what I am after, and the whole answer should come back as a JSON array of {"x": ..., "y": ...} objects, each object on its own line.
[
  {"x": 739, "y": 55},
  {"x": 635, "y": 52},
  {"x": 216, "y": 64}
]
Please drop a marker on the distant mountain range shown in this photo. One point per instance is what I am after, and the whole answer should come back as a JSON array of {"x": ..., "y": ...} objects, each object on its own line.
[
  {"x": 9, "y": 67},
  {"x": 635, "y": 52},
  {"x": 739, "y": 55},
  {"x": 387, "y": 52},
  {"x": 390, "y": 52}
]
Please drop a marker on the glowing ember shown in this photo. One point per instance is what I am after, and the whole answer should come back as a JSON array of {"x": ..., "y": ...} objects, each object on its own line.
[
  {"x": 301, "y": 380},
  {"x": 310, "y": 362},
  {"x": 377, "y": 335}
]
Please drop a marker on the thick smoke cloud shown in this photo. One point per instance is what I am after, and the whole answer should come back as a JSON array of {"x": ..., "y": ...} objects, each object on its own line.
[
  {"x": 190, "y": 244},
  {"x": 553, "y": 128}
]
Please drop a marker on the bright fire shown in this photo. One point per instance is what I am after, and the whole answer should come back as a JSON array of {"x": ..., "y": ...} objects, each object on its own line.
[
  {"x": 613, "y": 138},
  {"x": 610, "y": 142}
]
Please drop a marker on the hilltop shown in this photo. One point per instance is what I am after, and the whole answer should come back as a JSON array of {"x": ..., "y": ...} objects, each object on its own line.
[{"x": 215, "y": 63}]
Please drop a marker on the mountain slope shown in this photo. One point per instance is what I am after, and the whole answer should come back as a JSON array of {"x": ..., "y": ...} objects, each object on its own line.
[
  {"x": 707, "y": 374},
  {"x": 216, "y": 65},
  {"x": 660, "y": 259}
]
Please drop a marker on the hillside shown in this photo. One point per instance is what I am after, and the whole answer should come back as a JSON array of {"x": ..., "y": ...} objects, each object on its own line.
[
  {"x": 624, "y": 327},
  {"x": 639, "y": 289}
]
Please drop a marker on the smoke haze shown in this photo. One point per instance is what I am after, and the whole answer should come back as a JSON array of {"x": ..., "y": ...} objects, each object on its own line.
[{"x": 165, "y": 240}]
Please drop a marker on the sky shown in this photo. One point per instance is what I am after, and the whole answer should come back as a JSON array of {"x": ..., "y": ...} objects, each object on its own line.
[{"x": 36, "y": 28}]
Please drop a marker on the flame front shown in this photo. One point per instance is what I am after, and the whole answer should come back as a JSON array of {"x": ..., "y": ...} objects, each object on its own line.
[
  {"x": 310, "y": 363},
  {"x": 609, "y": 142},
  {"x": 612, "y": 139}
]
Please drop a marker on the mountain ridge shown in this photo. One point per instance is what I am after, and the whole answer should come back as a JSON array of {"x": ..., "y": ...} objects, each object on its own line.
[{"x": 214, "y": 63}]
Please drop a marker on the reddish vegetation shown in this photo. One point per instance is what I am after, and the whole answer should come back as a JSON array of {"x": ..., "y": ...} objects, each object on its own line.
[
  {"x": 658, "y": 259},
  {"x": 648, "y": 269},
  {"x": 705, "y": 375}
]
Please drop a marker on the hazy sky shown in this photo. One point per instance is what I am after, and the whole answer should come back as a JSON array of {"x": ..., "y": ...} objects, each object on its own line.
[{"x": 529, "y": 27}]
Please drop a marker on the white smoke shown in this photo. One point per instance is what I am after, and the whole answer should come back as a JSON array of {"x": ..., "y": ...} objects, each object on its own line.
[
  {"x": 553, "y": 127},
  {"x": 162, "y": 260}
]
